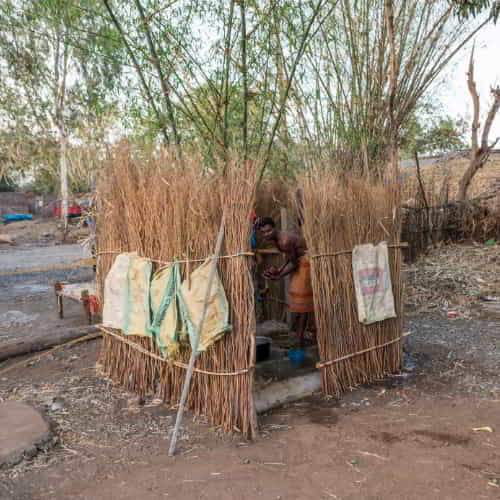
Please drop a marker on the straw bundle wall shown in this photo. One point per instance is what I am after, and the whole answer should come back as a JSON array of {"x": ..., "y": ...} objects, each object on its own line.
[
  {"x": 153, "y": 206},
  {"x": 340, "y": 213}
]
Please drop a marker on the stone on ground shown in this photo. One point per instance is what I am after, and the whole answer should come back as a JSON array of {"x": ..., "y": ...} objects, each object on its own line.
[
  {"x": 22, "y": 431},
  {"x": 5, "y": 238}
]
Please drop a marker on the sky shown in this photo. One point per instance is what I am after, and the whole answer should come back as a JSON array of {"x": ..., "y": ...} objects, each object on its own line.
[{"x": 455, "y": 95}]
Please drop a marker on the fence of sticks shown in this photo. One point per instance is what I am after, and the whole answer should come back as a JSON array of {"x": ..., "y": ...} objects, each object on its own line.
[
  {"x": 432, "y": 214},
  {"x": 168, "y": 210}
]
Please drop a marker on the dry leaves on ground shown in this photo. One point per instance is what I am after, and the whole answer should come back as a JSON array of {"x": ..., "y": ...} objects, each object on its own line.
[{"x": 453, "y": 278}]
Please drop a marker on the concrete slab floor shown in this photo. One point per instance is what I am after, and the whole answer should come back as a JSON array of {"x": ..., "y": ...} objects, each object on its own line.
[
  {"x": 279, "y": 367},
  {"x": 22, "y": 431}
]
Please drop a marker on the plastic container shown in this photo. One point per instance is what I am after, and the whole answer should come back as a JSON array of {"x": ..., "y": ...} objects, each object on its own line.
[
  {"x": 16, "y": 217},
  {"x": 74, "y": 210},
  {"x": 297, "y": 356}
]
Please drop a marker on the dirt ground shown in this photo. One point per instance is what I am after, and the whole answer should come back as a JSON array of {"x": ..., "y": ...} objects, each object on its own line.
[
  {"x": 44, "y": 231},
  {"x": 405, "y": 437},
  {"x": 411, "y": 436},
  {"x": 28, "y": 300}
]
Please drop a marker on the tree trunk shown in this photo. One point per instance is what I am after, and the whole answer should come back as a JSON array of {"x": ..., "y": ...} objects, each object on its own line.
[
  {"x": 393, "y": 83},
  {"x": 479, "y": 154},
  {"x": 476, "y": 163},
  {"x": 41, "y": 342},
  {"x": 244, "y": 70},
  {"x": 281, "y": 80},
  {"x": 63, "y": 165}
]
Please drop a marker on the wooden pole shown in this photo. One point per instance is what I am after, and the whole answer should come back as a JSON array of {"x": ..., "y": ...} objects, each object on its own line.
[
  {"x": 194, "y": 348},
  {"x": 44, "y": 340},
  {"x": 86, "y": 305},
  {"x": 284, "y": 227},
  {"x": 58, "y": 289}
]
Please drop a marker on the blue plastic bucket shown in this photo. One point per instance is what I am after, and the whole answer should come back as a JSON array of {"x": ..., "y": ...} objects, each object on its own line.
[{"x": 296, "y": 356}]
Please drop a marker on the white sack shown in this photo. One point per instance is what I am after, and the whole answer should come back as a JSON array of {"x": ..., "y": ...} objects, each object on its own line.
[{"x": 372, "y": 282}]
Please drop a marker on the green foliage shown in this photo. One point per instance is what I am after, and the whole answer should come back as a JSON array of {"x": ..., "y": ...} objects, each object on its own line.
[
  {"x": 344, "y": 92},
  {"x": 59, "y": 70},
  {"x": 434, "y": 134},
  {"x": 222, "y": 88},
  {"x": 24, "y": 150},
  {"x": 284, "y": 79},
  {"x": 466, "y": 9},
  {"x": 447, "y": 134},
  {"x": 45, "y": 181},
  {"x": 6, "y": 185}
]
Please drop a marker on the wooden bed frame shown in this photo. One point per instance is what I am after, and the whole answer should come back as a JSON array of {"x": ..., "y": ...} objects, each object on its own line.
[{"x": 84, "y": 297}]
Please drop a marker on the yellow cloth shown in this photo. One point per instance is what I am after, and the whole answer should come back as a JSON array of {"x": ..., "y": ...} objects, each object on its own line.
[
  {"x": 139, "y": 279},
  {"x": 194, "y": 290}
]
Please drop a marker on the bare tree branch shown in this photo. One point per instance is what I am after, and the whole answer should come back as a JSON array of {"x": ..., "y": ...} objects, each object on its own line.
[
  {"x": 145, "y": 86},
  {"x": 161, "y": 76},
  {"x": 478, "y": 156},
  {"x": 475, "y": 102},
  {"x": 495, "y": 105}
]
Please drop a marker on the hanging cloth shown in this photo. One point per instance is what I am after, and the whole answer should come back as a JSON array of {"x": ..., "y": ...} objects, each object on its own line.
[
  {"x": 163, "y": 306},
  {"x": 115, "y": 308},
  {"x": 170, "y": 325},
  {"x": 138, "y": 309},
  {"x": 177, "y": 309},
  {"x": 194, "y": 291}
]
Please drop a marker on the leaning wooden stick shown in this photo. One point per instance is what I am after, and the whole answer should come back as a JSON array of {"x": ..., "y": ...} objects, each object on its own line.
[{"x": 194, "y": 348}]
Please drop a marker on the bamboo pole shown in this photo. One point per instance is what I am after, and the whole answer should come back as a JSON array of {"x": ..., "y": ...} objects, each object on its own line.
[
  {"x": 194, "y": 349},
  {"x": 284, "y": 227}
]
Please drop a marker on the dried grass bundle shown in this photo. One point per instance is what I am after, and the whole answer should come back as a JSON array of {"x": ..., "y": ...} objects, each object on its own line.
[
  {"x": 152, "y": 205},
  {"x": 339, "y": 213}
]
